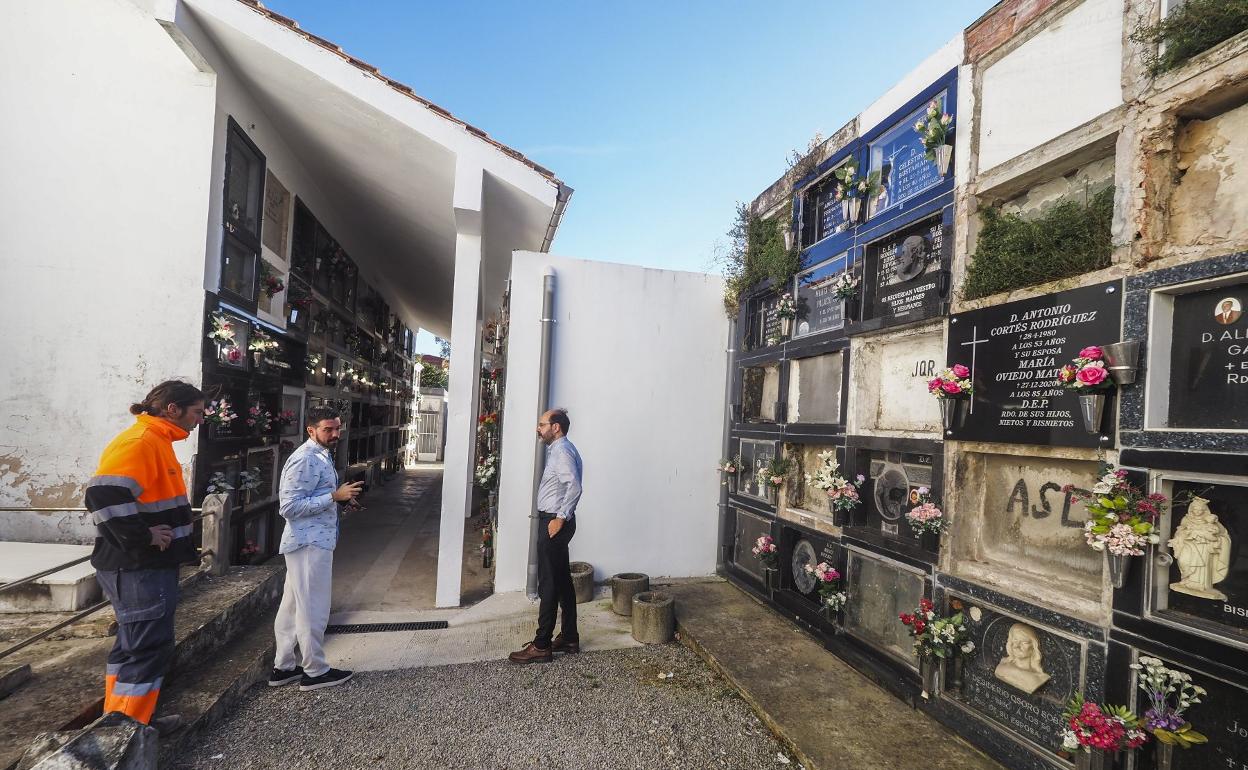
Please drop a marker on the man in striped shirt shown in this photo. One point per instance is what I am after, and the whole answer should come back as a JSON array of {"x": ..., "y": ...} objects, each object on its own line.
[
  {"x": 557, "y": 496},
  {"x": 143, "y": 534}
]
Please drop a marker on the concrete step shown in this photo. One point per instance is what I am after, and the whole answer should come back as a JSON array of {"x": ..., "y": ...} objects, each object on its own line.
[
  {"x": 66, "y": 690},
  {"x": 73, "y": 588},
  {"x": 203, "y": 694}
]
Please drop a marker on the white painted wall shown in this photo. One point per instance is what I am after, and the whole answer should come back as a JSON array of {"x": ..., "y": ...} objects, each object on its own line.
[
  {"x": 929, "y": 70},
  {"x": 1066, "y": 75},
  {"x": 639, "y": 363},
  {"x": 103, "y": 204}
]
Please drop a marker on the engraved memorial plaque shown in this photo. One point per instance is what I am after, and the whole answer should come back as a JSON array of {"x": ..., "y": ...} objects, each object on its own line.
[
  {"x": 904, "y": 278},
  {"x": 1209, "y": 359}
]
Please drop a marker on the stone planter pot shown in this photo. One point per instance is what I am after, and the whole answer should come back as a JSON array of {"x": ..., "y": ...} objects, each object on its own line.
[
  {"x": 928, "y": 669},
  {"x": 624, "y": 587},
  {"x": 654, "y": 617},
  {"x": 952, "y": 413},
  {"x": 944, "y": 154},
  {"x": 1119, "y": 568},
  {"x": 1092, "y": 409},
  {"x": 583, "y": 581},
  {"x": 772, "y": 578}
]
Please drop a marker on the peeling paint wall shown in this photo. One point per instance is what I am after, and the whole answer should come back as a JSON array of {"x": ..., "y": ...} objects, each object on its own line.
[
  {"x": 1208, "y": 205},
  {"x": 102, "y": 247}
]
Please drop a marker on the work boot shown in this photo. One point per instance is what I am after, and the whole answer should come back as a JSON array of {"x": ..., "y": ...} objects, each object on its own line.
[
  {"x": 560, "y": 645},
  {"x": 532, "y": 654},
  {"x": 169, "y": 723}
]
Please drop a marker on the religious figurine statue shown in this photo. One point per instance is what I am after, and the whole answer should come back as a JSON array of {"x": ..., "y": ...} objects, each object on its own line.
[
  {"x": 1202, "y": 547},
  {"x": 1021, "y": 665}
]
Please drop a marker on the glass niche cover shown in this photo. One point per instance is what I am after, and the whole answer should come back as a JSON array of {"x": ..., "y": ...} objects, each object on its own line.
[
  {"x": 878, "y": 593},
  {"x": 819, "y": 307},
  {"x": 1205, "y": 582},
  {"x": 755, "y": 455},
  {"x": 900, "y": 158}
]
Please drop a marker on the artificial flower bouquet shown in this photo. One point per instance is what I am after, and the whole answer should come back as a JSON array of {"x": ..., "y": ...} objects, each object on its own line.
[
  {"x": 846, "y": 181},
  {"x": 787, "y": 308},
  {"x": 842, "y": 493},
  {"x": 926, "y": 517},
  {"x": 222, "y": 331},
  {"x": 487, "y": 472},
  {"x": 938, "y": 636},
  {"x": 772, "y": 475},
  {"x": 1087, "y": 373},
  {"x": 259, "y": 419},
  {"x": 766, "y": 551},
  {"x": 1096, "y": 726},
  {"x": 1123, "y": 519},
  {"x": 218, "y": 484},
  {"x": 1170, "y": 693},
  {"x": 261, "y": 341},
  {"x": 933, "y": 128},
  {"x": 730, "y": 466},
  {"x": 954, "y": 382},
  {"x": 249, "y": 480},
  {"x": 830, "y": 591},
  {"x": 845, "y": 286},
  {"x": 219, "y": 412}
]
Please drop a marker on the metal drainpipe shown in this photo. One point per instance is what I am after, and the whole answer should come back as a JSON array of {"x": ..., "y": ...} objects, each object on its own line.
[
  {"x": 722, "y": 535},
  {"x": 543, "y": 399}
]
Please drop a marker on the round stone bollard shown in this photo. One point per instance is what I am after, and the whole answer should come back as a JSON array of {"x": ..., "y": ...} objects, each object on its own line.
[
  {"x": 624, "y": 587},
  {"x": 654, "y": 617},
  {"x": 583, "y": 581}
]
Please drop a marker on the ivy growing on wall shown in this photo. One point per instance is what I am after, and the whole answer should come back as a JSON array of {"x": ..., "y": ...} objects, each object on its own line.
[
  {"x": 758, "y": 253},
  {"x": 1070, "y": 238},
  {"x": 1190, "y": 29}
]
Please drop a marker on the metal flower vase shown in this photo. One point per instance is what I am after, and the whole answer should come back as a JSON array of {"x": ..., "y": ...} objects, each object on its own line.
[
  {"x": 773, "y": 494},
  {"x": 944, "y": 154},
  {"x": 1090, "y": 760},
  {"x": 731, "y": 480},
  {"x": 1119, "y": 567},
  {"x": 772, "y": 575},
  {"x": 1163, "y": 754},
  {"x": 953, "y": 674},
  {"x": 1092, "y": 408},
  {"x": 786, "y": 326},
  {"x": 952, "y": 412},
  {"x": 929, "y": 667},
  {"x": 845, "y": 209},
  {"x": 855, "y": 207},
  {"x": 831, "y": 616},
  {"x": 1120, "y": 360}
]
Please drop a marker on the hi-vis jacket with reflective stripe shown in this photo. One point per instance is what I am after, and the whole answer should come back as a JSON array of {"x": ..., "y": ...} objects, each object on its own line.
[{"x": 139, "y": 485}]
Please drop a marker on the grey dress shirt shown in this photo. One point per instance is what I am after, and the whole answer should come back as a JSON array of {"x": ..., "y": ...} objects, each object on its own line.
[{"x": 560, "y": 489}]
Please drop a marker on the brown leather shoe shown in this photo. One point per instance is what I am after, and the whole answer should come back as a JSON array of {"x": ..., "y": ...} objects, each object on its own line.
[
  {"x": 531, "y": 654},
  {"x": 559, "y": 645}
]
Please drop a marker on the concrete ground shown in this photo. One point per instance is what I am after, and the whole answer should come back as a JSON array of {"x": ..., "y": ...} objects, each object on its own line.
[
  {"x": 387, "y": 554},
  {"x": 830, "y": 715}
]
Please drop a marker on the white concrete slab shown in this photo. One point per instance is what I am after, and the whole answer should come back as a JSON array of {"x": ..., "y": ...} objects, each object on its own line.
[
  {"x": 70, "y": 589},
  {"x": 488, "y": 630}
]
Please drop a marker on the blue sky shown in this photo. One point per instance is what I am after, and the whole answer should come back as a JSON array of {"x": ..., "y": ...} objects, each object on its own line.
[{"x": 660, "y": 115}]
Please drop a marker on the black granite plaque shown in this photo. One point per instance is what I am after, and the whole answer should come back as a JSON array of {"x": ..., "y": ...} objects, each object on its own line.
[
  {"x": 1209, "y": 359},
  {"x": 749, "y": 529},
  {"x": 1223, "y": 557},
  {"x": 903, "y": 272},
  {"x": 1021, "y": 675},
  {"x": 800, "y": 549},
  {"x": 892, "y": 488},
  {"x": 818, "y": 307},
  {"x": 1014, "y": 352}
]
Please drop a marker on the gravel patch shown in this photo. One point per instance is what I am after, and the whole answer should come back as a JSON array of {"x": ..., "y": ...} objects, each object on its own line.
[{"x": 600, "y": 710}]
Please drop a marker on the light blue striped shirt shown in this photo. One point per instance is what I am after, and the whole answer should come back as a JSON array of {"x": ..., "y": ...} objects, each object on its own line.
[
  {"x": 560, "y": 489},
  {"x": 306, "y": 494}
]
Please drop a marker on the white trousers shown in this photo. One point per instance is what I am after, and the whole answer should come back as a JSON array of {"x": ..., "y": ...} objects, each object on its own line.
[{"x": 304, "y": 611}]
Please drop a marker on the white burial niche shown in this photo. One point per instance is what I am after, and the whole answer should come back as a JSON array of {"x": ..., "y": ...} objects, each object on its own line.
[{"x": 1199, "y": 575}]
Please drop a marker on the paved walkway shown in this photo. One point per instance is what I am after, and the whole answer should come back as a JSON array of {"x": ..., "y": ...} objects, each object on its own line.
[{"x": 832, "y": 716}]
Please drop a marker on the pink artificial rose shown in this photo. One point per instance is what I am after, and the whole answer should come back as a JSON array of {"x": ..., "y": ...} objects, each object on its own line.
[
  {"x": 1092, "y": 352},
  {"x": 1067, "y": 373},
  {"x": 1092, "y": 375},
  {"x": 952, "y": 388},
  {"x": 961, "y": 372},
  {"x": 933, "y": 385}
]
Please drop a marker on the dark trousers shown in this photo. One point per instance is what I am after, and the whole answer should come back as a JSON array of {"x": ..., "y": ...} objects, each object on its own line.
[
  {"x": 144, "y": 601},
  {"x": 554, "y": 583}
]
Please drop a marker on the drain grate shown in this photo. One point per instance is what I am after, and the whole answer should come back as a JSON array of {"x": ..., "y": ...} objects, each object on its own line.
[{"x": 373, "y": 628}]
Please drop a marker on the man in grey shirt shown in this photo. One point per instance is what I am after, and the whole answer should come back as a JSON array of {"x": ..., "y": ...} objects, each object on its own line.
[{"x": 557, "y": 496}]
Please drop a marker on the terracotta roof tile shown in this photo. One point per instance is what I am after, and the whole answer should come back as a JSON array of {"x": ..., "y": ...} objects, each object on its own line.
[{"x": 291, "y": 24}]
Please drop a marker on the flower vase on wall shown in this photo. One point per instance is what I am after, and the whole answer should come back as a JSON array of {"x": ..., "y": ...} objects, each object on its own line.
[
  {"x": 944, "y": 154},
  {"x": 1119, "y": 567},
  {"x": 845, "y": 209},
  {"x": 732, "y": 483},
  {"x": 1090, "y": 760},
  {"x": 1092, "y": 409},
  {"x": 928, "y": 668},
  {"x": 786, "y": 327},
  {"x": 952, "y": 412},
  {"x": 855, "y": 208},
  {"x": 773, "y": 494},
  {"x": 772, "y": 578},
  {"x": 953, "y": 673},
  {"x": 930, "y": 541},
  {"x": 1164, "y": 754}
]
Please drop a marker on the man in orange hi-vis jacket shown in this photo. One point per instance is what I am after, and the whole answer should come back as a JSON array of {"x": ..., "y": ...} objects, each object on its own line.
[{"x": 143, "y": 534}]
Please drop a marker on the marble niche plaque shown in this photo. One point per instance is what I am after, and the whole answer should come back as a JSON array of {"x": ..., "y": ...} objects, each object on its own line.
[
  {"x": 1208, "y": 341},
  {"x": 750, "y": 528},
  {"x": 1014, "y": 352},
  {"x": 1021, "y": 674},
  {"x": 904, "y": 279},
  {"x": 802, "y": 549},
  {"x": 1207, "y": 582},
  {"x": 878, "y": 591}
]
